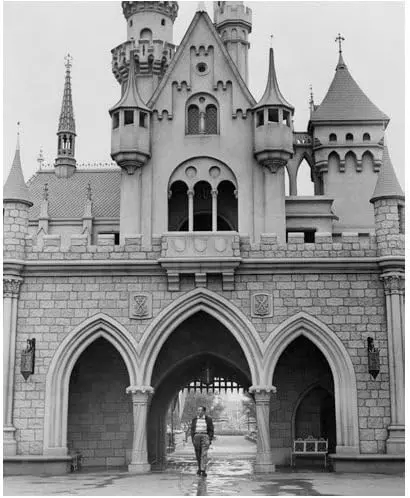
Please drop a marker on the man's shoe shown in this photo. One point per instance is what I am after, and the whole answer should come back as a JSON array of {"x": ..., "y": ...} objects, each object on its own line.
[
  {"x": 198, "y": 473},
  {"x": 204, "y": 474}
]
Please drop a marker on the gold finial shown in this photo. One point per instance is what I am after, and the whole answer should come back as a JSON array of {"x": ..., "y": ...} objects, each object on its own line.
[
  {"x": 339, "y": 39},
  {"x": 68, "y": 61},
  {"x": 18, "y": 135},
  {"x": 40, "y": 158},
  {"x": 271, "y": 41}
]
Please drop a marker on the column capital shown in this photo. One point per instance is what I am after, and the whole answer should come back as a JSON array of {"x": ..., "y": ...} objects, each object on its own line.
[
  {"x": 393, "y": 282},
  {"x": 190, "y": 192},
  {"x": 262, "y": 393},
  {"x": 214, "y": 192},
  {"x": 140, "y": 394},
  {"x": 11, "y": 286}
]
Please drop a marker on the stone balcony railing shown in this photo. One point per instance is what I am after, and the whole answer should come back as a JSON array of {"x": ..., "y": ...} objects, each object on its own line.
[{"x": 200, "y": 253}]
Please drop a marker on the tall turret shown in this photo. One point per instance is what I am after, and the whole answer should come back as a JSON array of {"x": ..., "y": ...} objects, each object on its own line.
[
  {"x": 150, "y": 37},
  {"x": 273, "y": 147},
  {"x": 65, "y": 163},
  {"x": 130, "y": 149},
  {"x": 348, "y": 131},
  {"x": 16, "y": 204},
  {"x": 233, "y": 21}
]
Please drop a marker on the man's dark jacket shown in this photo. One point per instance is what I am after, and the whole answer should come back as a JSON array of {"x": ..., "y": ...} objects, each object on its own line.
[{"x": 209, "y": 427}]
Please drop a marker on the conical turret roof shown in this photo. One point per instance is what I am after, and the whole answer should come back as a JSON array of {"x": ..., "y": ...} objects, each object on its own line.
[
  {"x": 387, "y": 185},
  {"x": 66, "y": 122},
  {"x": 15, "y": 188},
  {"x": 272, "y": 95},
  {"x": 131, "y": 97},
  {"x": 345, "y": 100}
]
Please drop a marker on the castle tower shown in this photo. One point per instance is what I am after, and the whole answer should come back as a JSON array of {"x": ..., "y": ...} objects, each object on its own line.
[
  {"x": 348, "y": 131},
  {"x": 233, "y": 21},
  {"x": 65, "y": 163},
  {"x": 131, "y": 149},
  {"x": 388, "y": 202},
  {"x": 273, "y": 147},
  {"x": 150, "y": 36},
  {"x": 16, "y": 204}
]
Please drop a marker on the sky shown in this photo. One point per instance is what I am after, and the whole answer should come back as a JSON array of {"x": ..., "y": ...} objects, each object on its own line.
[{"x": 38, "y": 35}]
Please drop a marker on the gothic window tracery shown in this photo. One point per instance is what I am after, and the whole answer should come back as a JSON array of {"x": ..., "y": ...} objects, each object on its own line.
[{"x": 202, "y": 115}]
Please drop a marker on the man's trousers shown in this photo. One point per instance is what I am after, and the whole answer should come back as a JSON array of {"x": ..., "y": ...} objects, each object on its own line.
[{"x": 201, "y": 445}]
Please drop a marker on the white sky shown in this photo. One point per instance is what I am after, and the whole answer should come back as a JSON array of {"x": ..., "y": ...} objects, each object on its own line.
[{"x": 37, "y": 36}]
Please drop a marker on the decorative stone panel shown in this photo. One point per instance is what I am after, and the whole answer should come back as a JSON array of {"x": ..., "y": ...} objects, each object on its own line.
[
  {"x": 261, "y": 305},
  {"x": 140, "y": 305}
]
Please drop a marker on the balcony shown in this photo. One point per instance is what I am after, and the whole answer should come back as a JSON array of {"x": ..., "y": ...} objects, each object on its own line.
[{"x": 200, "y": 253}]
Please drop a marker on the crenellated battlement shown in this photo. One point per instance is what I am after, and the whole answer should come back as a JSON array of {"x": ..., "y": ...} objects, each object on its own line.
[
  {"x": 193, "y": 246},
  {"x": 229, "y": 12},
  {"x": 151, "y": 57}
]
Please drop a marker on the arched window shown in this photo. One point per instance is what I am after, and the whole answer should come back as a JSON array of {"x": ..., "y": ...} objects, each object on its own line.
[
  {"x": 332, "y": 137},
  {"x": 349, "y": 137},
  {"x": 146, "y": 34},
  {"x": 211, "y": 120},
  {"x": 178, "y": 207},
  {"x": 227, "y": 206},
  {"x": 202, "y": 115},
  {"x": 366, "y": 137},
  {"x": 305, "y": 185},
  {"x": 193, "y": 120}
]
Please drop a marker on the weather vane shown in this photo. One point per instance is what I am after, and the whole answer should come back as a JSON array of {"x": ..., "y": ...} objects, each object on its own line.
[{"x": 339, "y": 39}]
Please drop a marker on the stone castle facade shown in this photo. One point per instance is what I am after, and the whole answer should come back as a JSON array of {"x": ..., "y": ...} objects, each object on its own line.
[{"x": 189, "y": 255}]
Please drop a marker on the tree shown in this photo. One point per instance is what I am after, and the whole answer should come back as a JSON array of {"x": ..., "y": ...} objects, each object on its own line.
[{"x": 248, "y": 406}]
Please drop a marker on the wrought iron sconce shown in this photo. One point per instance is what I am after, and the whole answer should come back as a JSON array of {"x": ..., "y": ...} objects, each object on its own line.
[
  {"x": 373, "y": 358},
  {"x": 28, "y": 359}
]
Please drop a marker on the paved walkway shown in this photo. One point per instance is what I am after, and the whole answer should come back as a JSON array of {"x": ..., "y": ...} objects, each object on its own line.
[{"x": 228, "y": 475}]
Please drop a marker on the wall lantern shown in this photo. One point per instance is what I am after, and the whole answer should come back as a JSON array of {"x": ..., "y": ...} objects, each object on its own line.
[
  {"x": 207, "y": 375},
  {"x": 27, "y": 359},
  {"x": 373, "y": 358}
]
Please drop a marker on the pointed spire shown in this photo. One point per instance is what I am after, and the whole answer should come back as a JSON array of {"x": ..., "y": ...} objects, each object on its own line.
[
  {"x": 15, "y": 188},
  {"x": 272, "y": 95},
  {"x": 131, "y": 97},
  {"x": 345, "y": 100},
  {"x": 387, "y": 185},
  {"x": 67, "y": 122}
]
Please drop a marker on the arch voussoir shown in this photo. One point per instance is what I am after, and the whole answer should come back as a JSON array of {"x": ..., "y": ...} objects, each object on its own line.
[
  {"x": 62, "y": 364},
  {"x": 303, "y": 324}
]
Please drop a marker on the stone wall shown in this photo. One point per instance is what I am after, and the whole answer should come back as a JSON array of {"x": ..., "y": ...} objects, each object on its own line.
[{"x": 351, "y": 304}]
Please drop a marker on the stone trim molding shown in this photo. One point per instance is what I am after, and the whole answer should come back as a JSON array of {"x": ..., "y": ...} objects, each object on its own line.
[
  {"x": 11, "y": 286},
  {"x": 188, "y": 304},
  {"x": 344, "y": 378},
  {"x": 62, "y": 364}
]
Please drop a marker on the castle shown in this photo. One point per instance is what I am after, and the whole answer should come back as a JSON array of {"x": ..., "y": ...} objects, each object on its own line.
[{"x": 188, "y": 262}]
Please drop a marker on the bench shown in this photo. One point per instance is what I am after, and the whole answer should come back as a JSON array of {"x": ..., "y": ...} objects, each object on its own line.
[{"x": 310, "y": 447}]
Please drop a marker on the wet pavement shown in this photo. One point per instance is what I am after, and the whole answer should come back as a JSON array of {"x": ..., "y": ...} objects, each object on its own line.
[{"x": 228, "y": 475}]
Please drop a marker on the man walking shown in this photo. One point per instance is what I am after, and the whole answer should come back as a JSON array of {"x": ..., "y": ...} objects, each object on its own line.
[{"x": 202, "y": 433}]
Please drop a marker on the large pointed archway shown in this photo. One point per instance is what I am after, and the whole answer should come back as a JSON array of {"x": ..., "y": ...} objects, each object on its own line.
[
  {"x": 340, "y": 364},
  {"x": 199, "y": 344},
  {"x": 60, "y": 369}
]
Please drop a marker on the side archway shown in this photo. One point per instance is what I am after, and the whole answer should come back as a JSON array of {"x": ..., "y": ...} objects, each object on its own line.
[
  {"x": 187, "y": 305},
  {"x": 303, "y": 324},
  {"x": 62, "y": 364}
]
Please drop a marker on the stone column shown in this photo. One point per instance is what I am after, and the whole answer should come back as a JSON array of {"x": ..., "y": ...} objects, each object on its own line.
[
  {"x": 190, "y": 210},
  {"x": 140, "y": 401},
  {"x": 131, "y": 192},
  {"x": 394, "y": 290},
  {"x": 11, "y": 288},
  {"x": 214, "y": 193},
  {"x": 263, "y": 463}
]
